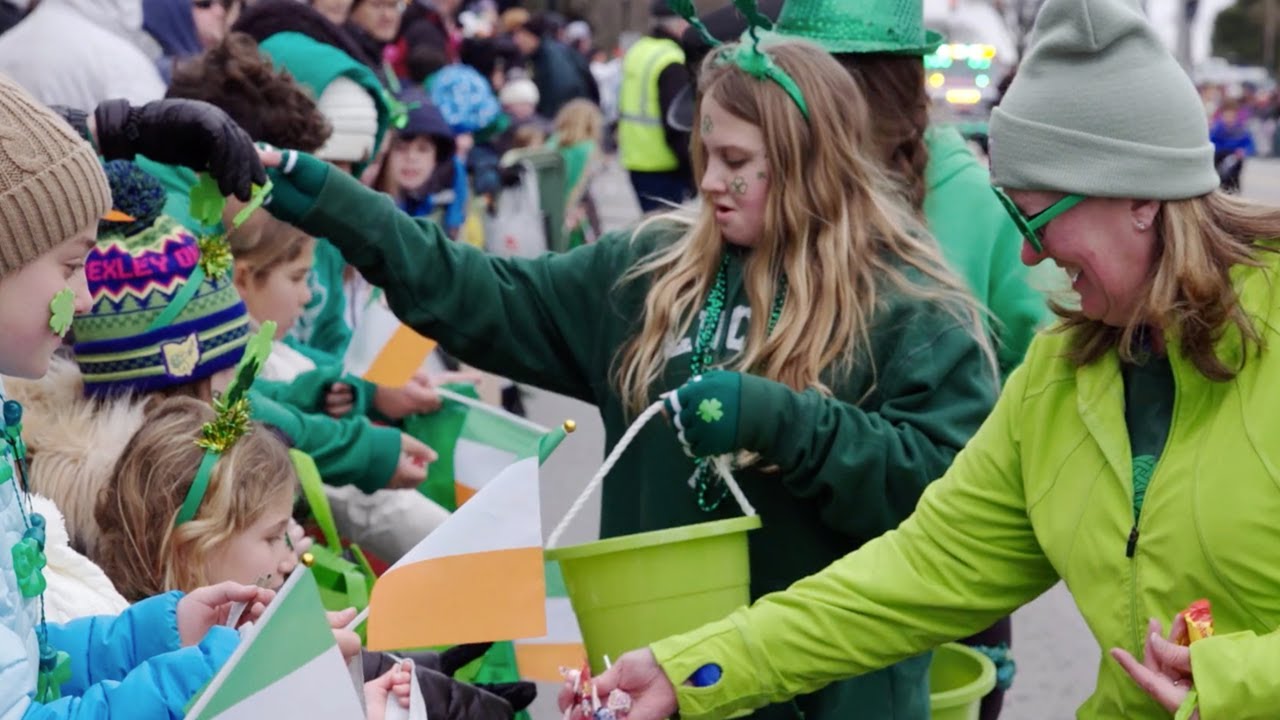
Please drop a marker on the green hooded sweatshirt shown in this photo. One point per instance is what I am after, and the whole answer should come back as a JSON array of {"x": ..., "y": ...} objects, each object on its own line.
[
  {"x": 981, "y": 243},
  {"x": 1046, "y": 491},
  {"x": 849, "y": 468}
]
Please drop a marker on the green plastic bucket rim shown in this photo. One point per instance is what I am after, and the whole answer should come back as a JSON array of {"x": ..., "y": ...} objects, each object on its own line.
[
  {"x": 654, "y": 538},
  {"x": 971, "y": 692}
]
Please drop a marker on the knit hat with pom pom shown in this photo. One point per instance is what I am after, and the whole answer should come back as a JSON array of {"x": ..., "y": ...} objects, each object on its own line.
[{"x": 157, "y": 321}]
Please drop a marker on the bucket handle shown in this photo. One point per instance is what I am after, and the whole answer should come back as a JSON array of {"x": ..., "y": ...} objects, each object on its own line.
[{"x": 723, "y": 465}]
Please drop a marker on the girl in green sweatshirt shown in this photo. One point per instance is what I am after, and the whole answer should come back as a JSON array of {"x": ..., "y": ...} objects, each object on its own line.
[{"x": 848, "y": 363}]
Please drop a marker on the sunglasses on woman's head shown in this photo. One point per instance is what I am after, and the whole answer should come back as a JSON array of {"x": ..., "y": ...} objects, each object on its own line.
[{"x": 1031, "y": 225}]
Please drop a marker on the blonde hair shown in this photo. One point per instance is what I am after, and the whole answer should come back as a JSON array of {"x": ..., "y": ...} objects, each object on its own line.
[
  {"x": 835, "y": 225},
  {"x": 1189, "y": 288},
  {"x": 578, "y": 121},
  {"x": 264, "y": 243},
  {"x": 139, "y": 547}
]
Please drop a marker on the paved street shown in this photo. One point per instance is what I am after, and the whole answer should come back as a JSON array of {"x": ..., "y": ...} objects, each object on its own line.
[{"x": 1057, "y": 657}]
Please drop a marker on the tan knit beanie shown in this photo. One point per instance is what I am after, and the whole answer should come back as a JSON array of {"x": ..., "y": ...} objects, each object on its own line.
[{"x": 51, "y": 183}]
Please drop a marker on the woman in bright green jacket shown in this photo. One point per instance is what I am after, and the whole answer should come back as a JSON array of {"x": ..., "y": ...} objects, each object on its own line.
[{"x": 1133, "y": 455}]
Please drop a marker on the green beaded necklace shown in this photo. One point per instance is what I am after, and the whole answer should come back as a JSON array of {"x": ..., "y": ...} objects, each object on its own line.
[
  {"x": 706, "y": 481},
  {"x": 28, "y": 554}
]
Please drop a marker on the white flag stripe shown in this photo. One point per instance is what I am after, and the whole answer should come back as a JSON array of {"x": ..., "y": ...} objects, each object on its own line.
[
  {"x": 562, "y": 625},
  {"x": 476, "y": 464},
  {"x": 317, "y": 690},
  {"x": 502, "y": 522}
]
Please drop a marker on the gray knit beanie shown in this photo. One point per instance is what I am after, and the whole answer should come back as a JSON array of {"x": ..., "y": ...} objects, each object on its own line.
[
  {"x": 1100, "y": 107},
  {"x": 51, "y": 183}
]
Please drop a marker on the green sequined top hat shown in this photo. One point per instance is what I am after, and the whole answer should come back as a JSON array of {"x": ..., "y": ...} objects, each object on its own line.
[
  {"x": 857, "y": 26},
  {"x": 747, "y": 55},
  {"x": 139, "y": 273}
]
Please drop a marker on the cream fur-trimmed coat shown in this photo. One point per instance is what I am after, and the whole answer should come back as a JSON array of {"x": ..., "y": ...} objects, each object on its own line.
[{"x": 73, "y": 443}]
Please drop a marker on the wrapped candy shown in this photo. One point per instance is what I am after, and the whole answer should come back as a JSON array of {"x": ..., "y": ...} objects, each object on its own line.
[
  {"x": 1199, "y": 620},
  {"x": 586, "y": 704}
]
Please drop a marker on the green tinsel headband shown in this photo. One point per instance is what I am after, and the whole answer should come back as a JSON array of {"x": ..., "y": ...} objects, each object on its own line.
[
  {"x": 747, "y": 56},
  {"x": 232, "y": 421}
]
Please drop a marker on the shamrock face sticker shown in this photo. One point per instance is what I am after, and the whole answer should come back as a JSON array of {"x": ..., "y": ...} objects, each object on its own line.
[
  {"x": 61, "y": 309},
  {"x": 710, "y": 410},
  {"x": 739, "y": 185}
]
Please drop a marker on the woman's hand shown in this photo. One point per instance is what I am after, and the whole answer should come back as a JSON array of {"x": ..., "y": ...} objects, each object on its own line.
[
  {"x": 201, "y": 609},
  {"x": 1165, "y": 670},
  {"x": 638, "y": 674},
  {"x": 705, "y": 413}
]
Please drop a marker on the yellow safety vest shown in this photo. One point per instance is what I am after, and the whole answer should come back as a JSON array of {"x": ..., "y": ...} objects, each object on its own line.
[{"x": 641, "y": 140}]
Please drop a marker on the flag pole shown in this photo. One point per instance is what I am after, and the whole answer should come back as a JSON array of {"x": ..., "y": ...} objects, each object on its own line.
[{"x": 481, "y": 405}]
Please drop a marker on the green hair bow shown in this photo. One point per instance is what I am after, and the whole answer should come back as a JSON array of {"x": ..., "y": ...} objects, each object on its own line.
[
  {"x": 747, "y": 56},
  {"x": 232, "y": 421}
]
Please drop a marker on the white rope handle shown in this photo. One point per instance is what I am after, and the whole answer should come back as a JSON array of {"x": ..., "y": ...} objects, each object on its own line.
[{"x": 723, "y": 465}]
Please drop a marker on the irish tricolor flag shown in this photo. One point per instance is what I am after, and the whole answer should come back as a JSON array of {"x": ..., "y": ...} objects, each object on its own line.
[
  {"x": 541, "y": 658},
  {"x": 288, "y": 665},
  {"x": 478, "y": 577},
  {"x": 475, "y": 442}
]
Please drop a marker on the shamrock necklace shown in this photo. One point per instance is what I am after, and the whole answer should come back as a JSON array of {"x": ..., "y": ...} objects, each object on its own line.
[
  {"x": 28, "y": 554},
  {"x": 705, "y": 480}
]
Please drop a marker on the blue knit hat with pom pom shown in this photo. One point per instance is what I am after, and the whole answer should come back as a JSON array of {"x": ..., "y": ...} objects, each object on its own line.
[{"x": 147, "y": 329}]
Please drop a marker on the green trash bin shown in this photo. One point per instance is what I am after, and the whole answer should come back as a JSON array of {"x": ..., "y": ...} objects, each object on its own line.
[{"x": 548, "y": 167}]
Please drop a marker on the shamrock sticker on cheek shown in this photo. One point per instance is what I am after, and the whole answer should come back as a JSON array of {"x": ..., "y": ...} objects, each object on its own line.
[{"x": 62, "y": 308}]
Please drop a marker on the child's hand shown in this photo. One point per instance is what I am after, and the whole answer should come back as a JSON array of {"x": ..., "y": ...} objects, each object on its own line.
[
  {"x": 411, "y": 471},
  {"x": 348, "y": 641},
  {"x": 415, "y": 398},
  {"x": 397, "y": 683},
  {"x": 340, "y": 400},
  {"x": 201, "y": 609}
]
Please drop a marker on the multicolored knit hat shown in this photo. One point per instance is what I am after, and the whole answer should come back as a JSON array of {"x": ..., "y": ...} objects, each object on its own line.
[{"x": 132, "y": 339}]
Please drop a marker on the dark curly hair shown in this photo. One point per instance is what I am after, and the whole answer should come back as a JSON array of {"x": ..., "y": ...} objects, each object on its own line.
[{"x": 269, "y": 104}]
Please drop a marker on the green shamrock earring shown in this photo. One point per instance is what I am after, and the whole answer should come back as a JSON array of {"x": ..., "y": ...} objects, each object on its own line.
[{"x": 62, "y": 308}]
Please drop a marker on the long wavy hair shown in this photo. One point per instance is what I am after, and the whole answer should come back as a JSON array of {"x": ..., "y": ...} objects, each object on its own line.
[
  {"x": 139, "y": 548},
  {"x": 835, "y": 225},
  {"x": 1189, "y": 288}
]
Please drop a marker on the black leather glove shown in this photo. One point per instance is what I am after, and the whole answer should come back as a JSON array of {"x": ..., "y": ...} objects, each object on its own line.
[{"x": 191, "y": 133}]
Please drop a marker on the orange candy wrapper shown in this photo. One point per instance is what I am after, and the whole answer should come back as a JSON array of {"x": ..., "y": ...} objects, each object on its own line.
[{"x": 1199, "y": 621}]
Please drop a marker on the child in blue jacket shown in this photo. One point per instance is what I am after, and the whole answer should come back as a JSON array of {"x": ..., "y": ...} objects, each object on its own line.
[{"x": 149, "y": 661}]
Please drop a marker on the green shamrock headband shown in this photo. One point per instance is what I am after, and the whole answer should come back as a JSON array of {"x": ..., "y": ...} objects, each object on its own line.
[
  {"x": 746, "y": 56},
  {"x": 232, "y": 421}
]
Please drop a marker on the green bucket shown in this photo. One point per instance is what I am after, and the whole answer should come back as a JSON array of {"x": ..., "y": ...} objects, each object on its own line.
[
  {"x": 632, "y": 590},
  {"x": 959, "y": 677}
]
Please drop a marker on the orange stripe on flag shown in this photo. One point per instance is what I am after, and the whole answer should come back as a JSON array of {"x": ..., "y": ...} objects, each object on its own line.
[
  {"x": 542, "y": 662},
  {"x": 498, "y": 594},
  {"x": 400, "y": 358},
  {"x": 462, "y": 493}
]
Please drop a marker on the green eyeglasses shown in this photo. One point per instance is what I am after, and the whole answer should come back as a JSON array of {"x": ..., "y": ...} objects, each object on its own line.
[{"x": 1030, "y": 227}]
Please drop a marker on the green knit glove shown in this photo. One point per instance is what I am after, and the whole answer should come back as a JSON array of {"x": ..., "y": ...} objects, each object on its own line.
[
  {"x": 295, "y": 185},
  {"x": 705, "y": 413}
]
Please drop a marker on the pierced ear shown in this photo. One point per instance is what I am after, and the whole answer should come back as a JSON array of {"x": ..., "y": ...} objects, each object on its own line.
[{"x": 1144, "y": 213}]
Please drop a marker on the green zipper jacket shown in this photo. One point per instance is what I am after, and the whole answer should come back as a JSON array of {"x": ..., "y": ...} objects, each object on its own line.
[
  {"x": 848, "y": 469},
  {"x": 1044, "y": 491},
  {"x": 980, "y": 241}
]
